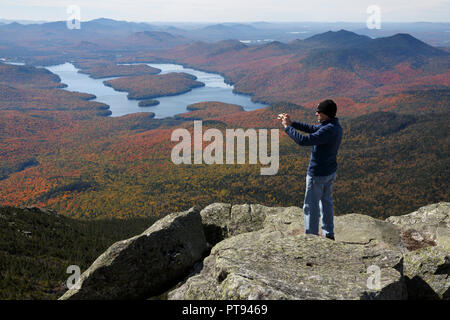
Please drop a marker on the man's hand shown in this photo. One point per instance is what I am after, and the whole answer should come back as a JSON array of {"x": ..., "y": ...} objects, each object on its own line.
[{"x": 285, "y": 119}]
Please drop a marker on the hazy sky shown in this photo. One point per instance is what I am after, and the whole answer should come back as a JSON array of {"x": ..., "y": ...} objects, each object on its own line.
[{"x": 228, "y": 10}]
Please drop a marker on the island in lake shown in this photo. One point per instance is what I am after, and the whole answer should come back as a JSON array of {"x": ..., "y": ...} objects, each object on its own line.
[
  {"x": 106, "y": 69},
  {"x": 148, "y": 103},
  {"x": 151, "y": 86}
]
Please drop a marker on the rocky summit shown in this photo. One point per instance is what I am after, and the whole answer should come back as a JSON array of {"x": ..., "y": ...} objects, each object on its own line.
[
  {"x": 147, "y": 264},
  {"x": 250, "y": 251}
]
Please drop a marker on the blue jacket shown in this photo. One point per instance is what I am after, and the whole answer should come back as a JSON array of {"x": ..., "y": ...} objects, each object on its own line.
[{"x": 325, "y": 139}]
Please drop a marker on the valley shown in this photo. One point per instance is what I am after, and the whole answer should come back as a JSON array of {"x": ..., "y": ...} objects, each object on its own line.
[
  {"x": 87, "y": 165},
  {"x": 98, "y": 163}
]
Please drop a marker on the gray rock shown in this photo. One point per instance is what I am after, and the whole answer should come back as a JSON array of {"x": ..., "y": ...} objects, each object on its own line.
[
  {"x": 288, "y": 220},
  {"x": 428, "y": 273},
  {"x": 248, "y": 218},
  {"x": 362, "y": 229},
  {"x": 433, "y": 214},
  {"x": 270, "y": 264},
  {"x": 215, "y": 220},
  {"x": 221, "y": 220},
  {"x": 426, "y": 234},
  {"x": 270, "y": 257},
  {"x": 261, "y": 252},
  {"x": 430, "y": 225},
  {"x": 145, "y": 265},
  {"x": 40, "y": 210},
  {"x": 244, "y": 219}
]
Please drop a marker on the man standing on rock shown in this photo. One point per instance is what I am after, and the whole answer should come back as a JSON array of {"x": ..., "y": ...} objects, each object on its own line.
[{"x": 325, "y": 139}]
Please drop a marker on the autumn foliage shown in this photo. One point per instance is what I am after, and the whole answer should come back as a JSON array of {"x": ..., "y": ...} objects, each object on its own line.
[
  {"x": 58, "y": 150},
  {"x": 152, "y": 86}
]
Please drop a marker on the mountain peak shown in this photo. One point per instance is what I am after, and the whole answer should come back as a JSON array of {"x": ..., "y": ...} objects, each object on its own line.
[
  {"x": 103, "y": 20},
  {"x": 341, "y": 38},
  {"x": 404, "y": 37},
  {"x": 407, "y": 43},
  {"x": 334, "y": 34}
]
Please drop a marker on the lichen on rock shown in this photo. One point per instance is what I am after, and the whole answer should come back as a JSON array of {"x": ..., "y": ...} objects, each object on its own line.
[
  {"x": 147, "y": 264},
  {"x": 250, "y": 251}
]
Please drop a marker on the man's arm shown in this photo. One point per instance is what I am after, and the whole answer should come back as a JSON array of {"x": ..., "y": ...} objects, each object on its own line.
[
  {"x": 286, "y": 120},
  {"x": 304, "y": 127},
  {"x": 321, "y": 136}
]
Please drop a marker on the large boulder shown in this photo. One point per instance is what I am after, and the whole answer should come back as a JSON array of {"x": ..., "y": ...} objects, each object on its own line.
[
  {"x": 272, "y": 264},
  {"x": 222, "y": 220},
  {"x": 145, "y": 265},
  {"x": 426, "y": 234},
  {"x": 362, "y": 229},
  {"x": 428, "y": 226},
  {"x": 260, "y": 252},
  {"x": 427, "y": 272},
  {"x": 266, "y": 255},
  {"x": 215, "y": 219}
]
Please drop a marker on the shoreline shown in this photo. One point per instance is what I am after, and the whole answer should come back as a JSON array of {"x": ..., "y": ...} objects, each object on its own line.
[{"x": 139, "y": 109}]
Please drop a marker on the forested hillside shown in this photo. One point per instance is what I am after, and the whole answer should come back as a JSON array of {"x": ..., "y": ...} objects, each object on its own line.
[
  {"x": 152, "y": 86},
  {"x": 36, "y": 247},
  {"x": 341, "y": 64},
  {"x": 59, "y": 151}
]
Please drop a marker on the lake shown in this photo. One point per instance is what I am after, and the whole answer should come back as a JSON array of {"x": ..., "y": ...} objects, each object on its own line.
[{"x": 215, "y": 89}]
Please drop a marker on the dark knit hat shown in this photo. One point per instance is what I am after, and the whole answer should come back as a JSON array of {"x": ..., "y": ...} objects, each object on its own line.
[{"x": 327, "y": 107}]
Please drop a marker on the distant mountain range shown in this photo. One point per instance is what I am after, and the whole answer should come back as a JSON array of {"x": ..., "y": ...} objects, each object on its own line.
[
  {"x": 257, "y": 32},
  {"x": 343, "y": 48},
  {"x": 325, "y": 64},
  {"x": 335, "y": 63}
]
